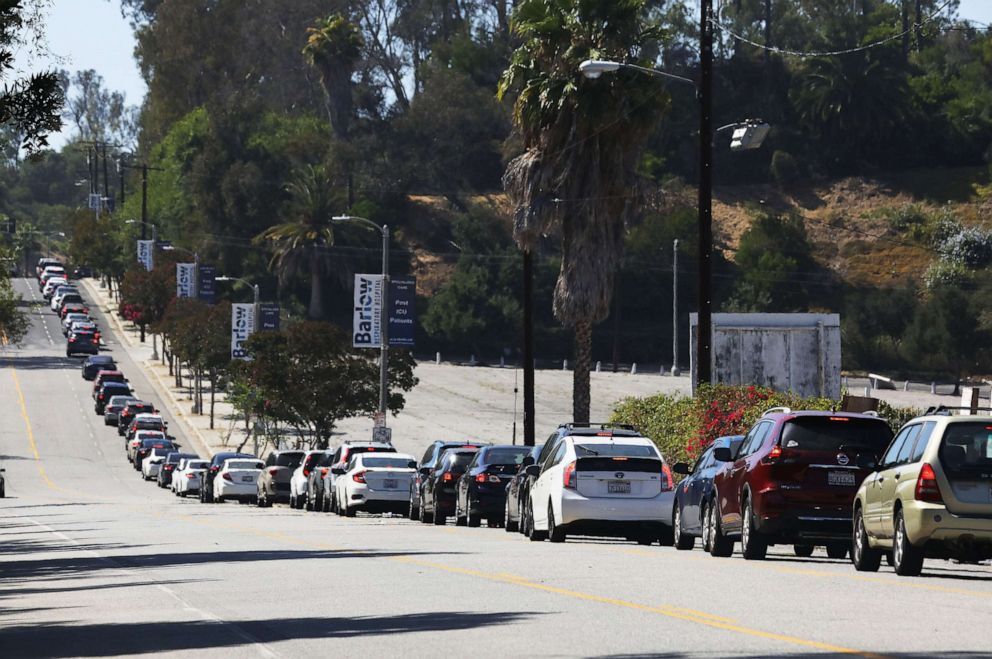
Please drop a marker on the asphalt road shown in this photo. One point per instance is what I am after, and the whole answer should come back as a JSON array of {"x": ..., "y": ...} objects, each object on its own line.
[{"x": 95, "y": 562}]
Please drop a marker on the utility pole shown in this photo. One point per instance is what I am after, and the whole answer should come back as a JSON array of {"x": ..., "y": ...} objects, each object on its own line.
[
  {"x": 528, "y": 348},
  {"x": 675, "y": 307},
  {"x": 705, "y": 299},
  {"x": 144, "y": 198},
  {"x": 120, "y": 172},
  {"x": 106, "y": 175},
  {"x": 384, "y": 331}
]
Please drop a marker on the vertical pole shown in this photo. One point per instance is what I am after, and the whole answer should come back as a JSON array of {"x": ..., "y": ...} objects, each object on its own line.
[
  {"x": 106, "y": 174},
  {"x": 255, "y": 306},
  {"x": 384, "y": 329},
  {"x": 120, "y": 172},
  {"x": 705, "y": 299},
  {"x": 144, "y": 198},
  {"x": 675, "y": 307},
  {"x": 528, "y": 348}
]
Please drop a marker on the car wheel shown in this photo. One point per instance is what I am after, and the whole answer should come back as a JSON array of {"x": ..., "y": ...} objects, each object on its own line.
[
  {"x": 308, "y": 503},
  {"x": 438, "y": 518},
  {"x": 906, "y": 559},
  {"x": 509, "y": 525},
  {"x": 837, "y": 550},
  {"x": 888, "y": 559},
  {"x": 350, "y": 511},
  {"x": 803, "y": 551},
  {"x": 474, "y": 520},
  {"x": 682, "y": 541},
  {"x": 705, "y": 526},
  {"x": 413, "y": 512},
  {"x": 424, "y": 517},
  {"x": 556, "y": 532},
  {"x": 865, "y": 558},
  {"x": 720, "y": 545},
  {"x": 533, "y": 534},
  {"x": 754, "y": 547},
  {"x": 3, "y": 490}
]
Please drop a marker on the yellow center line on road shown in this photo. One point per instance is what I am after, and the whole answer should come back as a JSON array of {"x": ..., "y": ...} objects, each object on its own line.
[{"x": 27, "y": 425}]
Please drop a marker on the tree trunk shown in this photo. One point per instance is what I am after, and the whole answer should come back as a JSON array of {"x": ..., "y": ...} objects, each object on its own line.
[
  {"x": 581, "y": 396},
  {"x": 917, "y": 37},
  {"x": 905, "y": 28},
  {"x": 316, "y": 291}
]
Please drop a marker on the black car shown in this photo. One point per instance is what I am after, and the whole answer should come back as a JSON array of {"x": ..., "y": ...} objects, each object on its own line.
[
  {"x": 113, "y": 409},
  {"x": 87, "y": 343},
  {"x": 82, "y": 271},
  {"x": 697, "y": 487},
  {"x": 108, "y": 391},
  {"x": 169, "y": 467},
  {"x": 130, "y": 411},
  {"x": 482, "y": 488},
  {"x": 96, "y": 363},
  {"x": 427, "y": 463},
  {"x": 216, "y": 462},
  {"x": 517, "y": 491},
  {"x": 146, "y": 447},
  {"x": 437, "y": 502}
]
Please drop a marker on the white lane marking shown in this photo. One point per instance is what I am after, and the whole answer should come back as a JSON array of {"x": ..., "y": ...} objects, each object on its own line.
[
  {"x": 262, "y": 648},
  {"x": 37, "y": 308}
]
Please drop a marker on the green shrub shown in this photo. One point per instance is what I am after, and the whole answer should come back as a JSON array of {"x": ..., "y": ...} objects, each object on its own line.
[{"x": 784, "y": 168}]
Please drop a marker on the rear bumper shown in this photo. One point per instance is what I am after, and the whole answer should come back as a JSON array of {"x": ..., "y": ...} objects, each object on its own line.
[
  {"x": 486, "y": 504},
  {"x": 928, "y": 523},
  {"x": 223, "y": 488},
  {"x": 613, "y": 511},
  {"x": 363, "y": 494},
  {"x": 787, "y": 524}
]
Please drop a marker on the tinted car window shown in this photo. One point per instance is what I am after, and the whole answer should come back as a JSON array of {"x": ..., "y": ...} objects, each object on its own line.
[
  {"x": 457, "y": 461},
  {"x": 890, "y": 456},
  {"x": 922, "y": 439},
  {"x": 615, "y": 450},
  {"x": 291, "y": 460},
  {"x": 907, "y": 446},
  {"x": 506, "y": 456},
  {"x": 822, "y": 433},
  {"x": 967, "y": 448},
  {"x": 243, "y": 464},
  {"x": 385, "y": 462}
]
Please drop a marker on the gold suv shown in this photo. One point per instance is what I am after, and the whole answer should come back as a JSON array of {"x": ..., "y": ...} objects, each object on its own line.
[{"x": 930, "y": 496}]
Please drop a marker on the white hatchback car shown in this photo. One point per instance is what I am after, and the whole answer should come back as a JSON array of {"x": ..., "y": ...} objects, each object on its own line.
[
  {"x": 301, "y": 475},
  {"x": 237, "y": 480},
  {"x": 153, "y": 462},
  {"x": 603, "y": 484},
  {"x": 186, "y": 480},
  {"x": 375, "y": 483}
]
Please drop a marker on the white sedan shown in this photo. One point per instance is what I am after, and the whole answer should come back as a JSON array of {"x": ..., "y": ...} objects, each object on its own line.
[
  {"x": 237, "y": 480},
  {"x": 606, "y": 484},
  {"x": 375, "y": 483},
  {"x": 153, "y": 462},
  {"x": 186, "y": 480}
]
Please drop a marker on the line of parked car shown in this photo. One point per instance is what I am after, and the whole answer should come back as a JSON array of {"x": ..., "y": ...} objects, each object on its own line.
[{"x": 842, "y": 481}]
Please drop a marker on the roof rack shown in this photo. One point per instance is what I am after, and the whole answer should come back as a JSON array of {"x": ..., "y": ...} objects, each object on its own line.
[
  {"x": 776, "y": 410},
  {"x": 948, "y": 410},
  {"x": 602, "y": 426}
]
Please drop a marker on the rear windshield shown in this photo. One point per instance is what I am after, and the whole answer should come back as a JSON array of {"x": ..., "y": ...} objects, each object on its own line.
[
  {"x": 158, "y": 443},
  {"x": 197, "y": 464},
  {"x": 507, "y": 456},
  {"x": 836, "y": 433},
  {"x": 291, "y": 460},
  {"x": 243, "y": 464},
  {"x": 615, "y": 450},
  {"x": 967, "y": 447},
  {"x": 458, "y": 461},
  {"x": 353, "y": 450},
  {"x": 386, "y": 463}
]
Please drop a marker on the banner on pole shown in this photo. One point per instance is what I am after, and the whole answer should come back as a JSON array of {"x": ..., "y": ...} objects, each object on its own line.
[
  {"x": 93, "y": 201},
  {"x": 207, "y": 285},
  {"x": 146, "y": 253},
  {"x": 242, "y": 326},
  {"x": 367, "y": 320},
  {"x": 268, "y": 317},
  {"x": 402, "y": 312},
  {"x": 184, "y": 279}
]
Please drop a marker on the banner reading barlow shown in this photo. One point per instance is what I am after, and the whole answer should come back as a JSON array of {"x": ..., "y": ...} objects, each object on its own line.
[
  {"x": 145, "y": 253},
  {"x": 185, "y": 279},
  {"x": 367, "y": 321},
  {"x": 402, "y": 312},
  {"x": 207, "y": 285},
  {"x": 242, "y": 326}
]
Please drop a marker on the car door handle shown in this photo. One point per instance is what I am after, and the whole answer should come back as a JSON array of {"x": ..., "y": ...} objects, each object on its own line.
[
  {"x": 897, "y": 474},
  {"x": 881, "y": 479}
]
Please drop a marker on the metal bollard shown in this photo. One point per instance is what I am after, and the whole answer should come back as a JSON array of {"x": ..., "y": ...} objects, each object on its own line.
[
  {"x": 933, "y": 387},
  {"x": 599, "y": 366},
  {"x": 437, "y": 359},
  {"x": 502, "y": 362},
  {"x": 564, "y": 364},
  {"x": 868, "y": 391},
  {"x": 633, "y": 368},
  {"x": 905, "y": 386},
  {"x": 471, "y": 361}
]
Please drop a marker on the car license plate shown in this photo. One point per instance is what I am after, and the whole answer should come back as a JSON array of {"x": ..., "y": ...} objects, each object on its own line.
[
  {"x": 618, "y": 487},
  {"x": 247, "y": 479},
  {"x": 845, "y": 478},
  {"x": 390, "y": 483}
]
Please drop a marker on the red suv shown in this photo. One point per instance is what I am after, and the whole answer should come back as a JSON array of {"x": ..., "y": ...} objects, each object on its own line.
[{"x": 792, "y": 481}]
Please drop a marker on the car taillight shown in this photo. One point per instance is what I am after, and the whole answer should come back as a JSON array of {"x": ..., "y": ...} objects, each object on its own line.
[
  {"x": 481, "y": 478},
  {"x": 568, "y": 476},
  {"x": 323, "y": 471},
  {"x": 214, "y": 469},
  {"x": 96, "y": 336},
  {"x": 136, "y": 443},
  {"x": 773, "y": 455},
  {"x": 927, "y": 488},
  {"x": 447, "y": 477},
  {"x": 359, "y": 477},
  {"x": 306, "y": 472},
  {"x": 226, "y": 476},
  {"x": 273, "y": 472},
  {"x": 169, "y": 467},
  {"x": 668, "y": 482},
  {"x": 101, "y": 396},
  {"x": 72, "y": 339}
]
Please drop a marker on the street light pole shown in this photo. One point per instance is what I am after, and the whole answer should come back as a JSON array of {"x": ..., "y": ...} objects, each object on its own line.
[
  {"x": 704, "y": 328},
  {"x": 675, "y": 307},
  {"x": 383, "y": 312}
]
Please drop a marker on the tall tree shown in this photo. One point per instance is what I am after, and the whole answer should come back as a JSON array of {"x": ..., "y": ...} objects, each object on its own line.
[{"x": 582, "y": 141}]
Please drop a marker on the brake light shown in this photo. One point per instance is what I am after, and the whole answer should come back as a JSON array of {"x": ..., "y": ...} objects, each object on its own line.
[
  {"x": 96, "y": 336},
  {"x": 101, "y": 396},
  {"x": 927, "y": 488},
  {"x": 358, "y": 477},
  {"x": 666, "y": 474},
  {"x": 273, "y": 472},
  {"x": 568, "y": 476},
  {"x": 839, "y": 418},
  {"x": 169, "y": 467},
  {"x": 215, "y": 469},
  {"x": 306, "y": 472},
  {"x": 371, "y": 449},
  {"x": 136, "y": 443},
  {"x": 447, "y": 477},
  {"x": 72, "y": 339},
  {"x": 323, "y": 471},
  {"x": 469, "y": 446},
  {"x": 481, "y": 478},
  {"x": 226, "y": 476}
]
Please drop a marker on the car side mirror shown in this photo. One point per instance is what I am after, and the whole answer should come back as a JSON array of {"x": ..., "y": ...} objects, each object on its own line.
[
  {"x": 681, "y": 468},
  {"x": 527, "y": 461},
  {"x": 337, "y": 471},
  {"x": 722, "y": 454},
  {"x": 425, "y": 471},
  {"x": 412, "y": 464},
  {"x": 867, "y": 462},
  {"x": 533, "y": 470}
]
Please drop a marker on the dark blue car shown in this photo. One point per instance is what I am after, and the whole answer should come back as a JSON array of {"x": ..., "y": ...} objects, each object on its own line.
[{"x": 696, "y": 488}]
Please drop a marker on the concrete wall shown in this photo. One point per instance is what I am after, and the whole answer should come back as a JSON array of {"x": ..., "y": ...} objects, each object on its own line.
[{"x": 788, "y": 352}]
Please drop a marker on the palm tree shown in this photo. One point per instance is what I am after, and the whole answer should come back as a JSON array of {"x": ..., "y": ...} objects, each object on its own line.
[
  {"x": 582, "y": 142},
  {"x": 333, "y": 47},
  {"x": 299, "y": 244}
]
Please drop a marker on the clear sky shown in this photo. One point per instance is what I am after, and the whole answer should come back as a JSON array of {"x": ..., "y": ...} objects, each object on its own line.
[{"x": 91, "y": 34}]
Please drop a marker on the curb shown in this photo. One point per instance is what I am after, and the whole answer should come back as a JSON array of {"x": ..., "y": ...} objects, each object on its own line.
[{"x": 162, "y": 388}]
